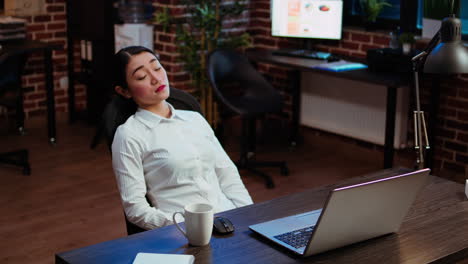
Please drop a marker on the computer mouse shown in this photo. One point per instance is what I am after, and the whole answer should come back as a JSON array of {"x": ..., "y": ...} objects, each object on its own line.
[
  {"x": 222, "y": 225},
  {"x": 333, "y": 58}
]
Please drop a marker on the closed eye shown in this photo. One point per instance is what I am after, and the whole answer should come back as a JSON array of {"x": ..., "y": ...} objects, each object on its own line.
[
  {"x": 157, "y": 69},
  {"x": 141, "y": 78}
]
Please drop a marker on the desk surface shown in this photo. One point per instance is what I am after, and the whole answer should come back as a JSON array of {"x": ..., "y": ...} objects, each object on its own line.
[
  {"x": 304, "y": 64},
  {"x": 435, "y": 230}
]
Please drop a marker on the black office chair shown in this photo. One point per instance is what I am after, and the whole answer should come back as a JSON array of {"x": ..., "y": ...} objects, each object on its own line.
[
  {"x": 243, "y": 92},
  {"x": 11, "y": 98},
  {"x": 118, "y": 110}
]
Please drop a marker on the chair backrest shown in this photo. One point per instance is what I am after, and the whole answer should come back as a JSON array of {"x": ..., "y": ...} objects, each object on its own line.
[{"x": 233, "y": 78}]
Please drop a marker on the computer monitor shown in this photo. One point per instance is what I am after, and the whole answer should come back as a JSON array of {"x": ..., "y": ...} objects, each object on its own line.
[{"x": 315, "y": 19}]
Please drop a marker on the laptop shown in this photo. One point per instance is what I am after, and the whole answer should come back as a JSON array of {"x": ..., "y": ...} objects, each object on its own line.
[{"x": 351, "y": 214}]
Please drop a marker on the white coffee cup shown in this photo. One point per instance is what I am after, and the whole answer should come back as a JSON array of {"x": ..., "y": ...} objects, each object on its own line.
[
  {"x": 466, "y": 188},
  {"x": 198, "y": 223}
]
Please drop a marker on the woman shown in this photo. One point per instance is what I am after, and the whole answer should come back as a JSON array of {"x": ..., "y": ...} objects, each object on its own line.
[{"x": 170, "y": 157}]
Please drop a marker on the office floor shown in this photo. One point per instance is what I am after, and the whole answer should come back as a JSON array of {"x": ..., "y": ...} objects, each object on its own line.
[{"x": 71, "y": 198}]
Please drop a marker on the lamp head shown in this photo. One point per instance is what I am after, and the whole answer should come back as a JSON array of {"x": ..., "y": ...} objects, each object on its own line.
[{"x": 449, "y": 56}]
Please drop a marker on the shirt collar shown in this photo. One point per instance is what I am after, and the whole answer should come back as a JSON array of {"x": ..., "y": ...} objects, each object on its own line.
[{"x": 151, "y": 119}]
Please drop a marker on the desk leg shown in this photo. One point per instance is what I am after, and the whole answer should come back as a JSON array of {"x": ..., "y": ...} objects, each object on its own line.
[
  {"x": 49, "y": 83},
  {"x": 295, "y": 78},
  {"x": 390, "y": 127}
]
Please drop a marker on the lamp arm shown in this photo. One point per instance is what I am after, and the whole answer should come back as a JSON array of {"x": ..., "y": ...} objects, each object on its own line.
[
  {"x": 420, "y": 131},
  {"x": 418, "y": 60}
]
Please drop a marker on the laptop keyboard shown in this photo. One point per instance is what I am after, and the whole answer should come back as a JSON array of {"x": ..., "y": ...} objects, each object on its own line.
[{"x": 297, "y": 238}]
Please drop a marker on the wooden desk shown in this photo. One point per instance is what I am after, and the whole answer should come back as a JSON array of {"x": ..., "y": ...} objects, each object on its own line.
[
  {"x": 31, "y": 46},
  {"x": 391, "y": 80},
  {"x": 434, "y": 231}
]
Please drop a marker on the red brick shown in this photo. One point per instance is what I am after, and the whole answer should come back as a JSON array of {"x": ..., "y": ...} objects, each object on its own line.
[
  {"x": 380, "y": 40},
  {"x": 463, "y": 94},
  {"x": 462, "y": 116},
  {"x": 56, "y": 26},
  {"x": 264, "y": 6},
  {"x": 365, "y": 47},
  {"x": 455, "y": 146},
  {"x": 360, "y": 37},
  {"x": 60, "y": 109},
  {"x": 461, "y": 158},
  {"x": 260, "y": 14},
  {"x": 32, "y": 80},
  {"x": 177, "y": 11},
  {"x": 158, "y": 47},
  {"x": 58, "y": 93},
  {"x": 60, "y": 17},
  {"x": 43, "y": 35},
  {"x": 35, "y": 96},
  {"x": 61, "y": 100},
  {"x": 260, "y": 24},
  {"x": 453, "y": 167},
  {"x": 282, "y": 43},
  {"x": 340, "y": 52},
  {"x": 80, "y": 98},
  {"x": 346, "y": 36},
  {"x": 447, "y": 112},
  {"x": 42, "y": 18},
  {"x": 350, "y": 45},
  {"x": 166, "y": 38},
  {"x": 358, "y": 55},
  {"x": 60, "y": 60},
  {"x": 60, "y": 34},
  {"x": 39, "y": 112},
  {"x": 58, "y": 42},
  {"x": 170, "y": 48},
  {"x": 458, "y": 103},
  {"x": 55, "y": 8},
  {"x": 443, "y": 154},
  {"x": 35, "y": 27},
  {"x": 29, "y": 105},
  {"x": 462, "y": 136},
  {"x": 265, "y": 41},
  {"x": 181, "y": 77},
  {"x": 259, "y": 31}
]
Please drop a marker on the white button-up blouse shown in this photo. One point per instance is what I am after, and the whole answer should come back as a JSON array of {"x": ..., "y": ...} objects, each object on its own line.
[{"x": 173, "y": 162}]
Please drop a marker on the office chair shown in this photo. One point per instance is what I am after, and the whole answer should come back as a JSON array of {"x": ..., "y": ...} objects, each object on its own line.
[
  {"x": 11, "y": 98},
  {"x": 116, "y": 113},
  {"x": 243, "y": 92}
]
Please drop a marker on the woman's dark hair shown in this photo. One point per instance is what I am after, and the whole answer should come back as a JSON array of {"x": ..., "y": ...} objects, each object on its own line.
[
  {"x": 120, "y": 108},
  {"x": 121, "y": 60}
]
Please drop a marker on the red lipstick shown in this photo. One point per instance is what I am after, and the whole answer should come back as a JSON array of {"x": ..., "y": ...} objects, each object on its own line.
[{"x": 160, "y": 88}]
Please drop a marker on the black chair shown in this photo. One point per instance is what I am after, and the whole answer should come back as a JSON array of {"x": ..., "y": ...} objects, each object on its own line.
[
  {"x": 116, "y": 113},
  {"x": 244, "y": 92},
  {"x": 11, "y": 98}
]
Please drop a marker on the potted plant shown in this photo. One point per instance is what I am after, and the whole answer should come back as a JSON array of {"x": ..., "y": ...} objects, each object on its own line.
[
  {"x": 371, "y": 9},
  {"x": 406, "y": 40},
  {"x": 199, "y": 33}
]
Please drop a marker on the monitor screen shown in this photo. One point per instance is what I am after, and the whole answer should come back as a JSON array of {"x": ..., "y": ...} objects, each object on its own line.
[{"x": 321, "y": 19}]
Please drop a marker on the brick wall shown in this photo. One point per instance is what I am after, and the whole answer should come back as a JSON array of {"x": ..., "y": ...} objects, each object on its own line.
[
  {"x": 451, "y": 143},
  {"x": 48, "y": 27}
]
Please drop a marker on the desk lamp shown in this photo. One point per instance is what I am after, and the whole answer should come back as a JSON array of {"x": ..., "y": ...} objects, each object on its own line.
[{"x": 447, "y": 57}]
